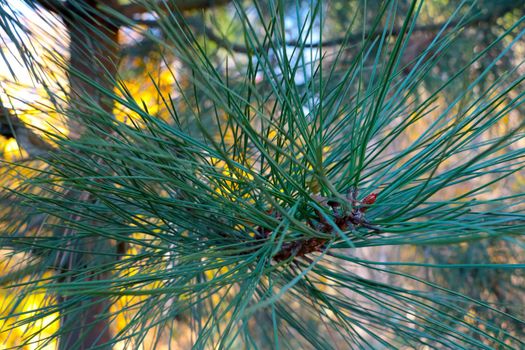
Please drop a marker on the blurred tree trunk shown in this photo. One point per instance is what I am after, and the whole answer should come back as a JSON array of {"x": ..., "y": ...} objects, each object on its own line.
[
  {"x": 94, "y": 51},
  {"x": 92, "y": 68}
]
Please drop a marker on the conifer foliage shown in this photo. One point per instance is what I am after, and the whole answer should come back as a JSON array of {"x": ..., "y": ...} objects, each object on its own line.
[{"x": 268, "y": 174}]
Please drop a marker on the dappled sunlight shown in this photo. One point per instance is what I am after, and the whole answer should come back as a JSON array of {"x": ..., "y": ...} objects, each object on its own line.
[{"x": 23, "y": 323}]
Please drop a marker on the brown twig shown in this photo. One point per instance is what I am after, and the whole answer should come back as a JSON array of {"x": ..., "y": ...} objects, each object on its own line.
[{"x": 347, "y": 216}]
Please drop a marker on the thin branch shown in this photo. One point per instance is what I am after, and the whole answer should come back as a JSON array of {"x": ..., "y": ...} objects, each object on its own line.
[
  {"x": 56, "y": 6},
  {"x": 354, "y": 38},
  {"x": 26, "y": 138},
  {"x": 182, "y": 5},
  {"x": 32, "y": 143}
]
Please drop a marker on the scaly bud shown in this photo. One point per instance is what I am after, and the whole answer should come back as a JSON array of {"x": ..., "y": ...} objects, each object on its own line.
[{"x": 367, "y": 201}]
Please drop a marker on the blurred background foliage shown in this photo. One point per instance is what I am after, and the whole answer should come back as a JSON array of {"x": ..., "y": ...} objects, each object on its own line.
[{"x": 148, "y": 72}]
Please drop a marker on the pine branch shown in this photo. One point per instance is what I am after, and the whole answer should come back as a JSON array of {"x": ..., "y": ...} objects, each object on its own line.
[
  {"x": 55, "y": 6},
  {"x": 489, "y": 17},
  {"x": 251, "y": 220}
]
